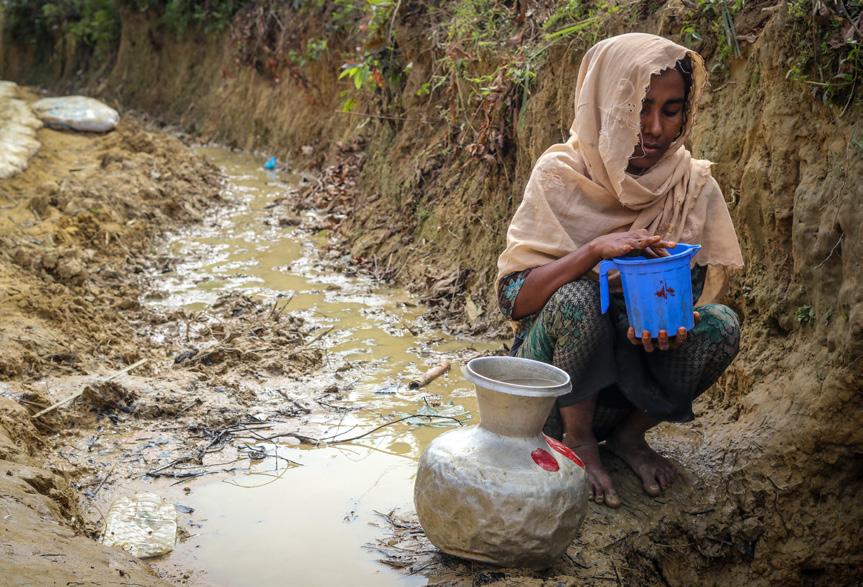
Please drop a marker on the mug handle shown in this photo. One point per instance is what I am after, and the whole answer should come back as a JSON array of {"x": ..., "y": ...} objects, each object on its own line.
[{"x": 604, "y": 267}]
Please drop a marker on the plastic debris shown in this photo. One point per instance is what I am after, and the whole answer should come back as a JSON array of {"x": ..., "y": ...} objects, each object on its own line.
[
  {"x": 388, "y": 390},
  {"x": 144, "y": 525},
  {"x": 257, "y": 453},
  {"x": 271, "y": 164},
  {"x": 18, "y": 127},
  {"x": 76, "y": 113}
]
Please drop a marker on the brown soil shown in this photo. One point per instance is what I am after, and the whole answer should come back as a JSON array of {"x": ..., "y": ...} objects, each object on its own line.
[
  {"x": 774, "y": 456},
  {"x": 773, "y": 461},
  {"x": 76, "y": 230},
  {"x": 78, "y": 234}
]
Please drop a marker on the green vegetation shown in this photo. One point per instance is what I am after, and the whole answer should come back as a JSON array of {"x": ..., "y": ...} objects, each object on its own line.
[
  {"x": 181, "y": 15},
  {"x": 483, "y": 60},
  {"x": 577, "y": 18},
  {"x": 96, "y": 23},
  {"x": 486, "y": 57},
  {"x": 711, "y": 24},
  {"x": 314, "y": 50},
  {"x": 376, "y": 69},
  {"x": 484, "y": 54},
  {"x": 804, "y": 315},
  {"x": 828, "y": 36},
  {"x": 91, "y": 22}
]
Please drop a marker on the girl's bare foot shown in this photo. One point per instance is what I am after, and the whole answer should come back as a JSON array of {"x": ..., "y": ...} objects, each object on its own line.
[
  {"x": 601, "y": 488},
  {"x": 656, "y": 472}
]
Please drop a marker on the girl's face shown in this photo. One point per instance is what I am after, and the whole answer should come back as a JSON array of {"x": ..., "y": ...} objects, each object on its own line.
[{"x": 662, "y": 114}]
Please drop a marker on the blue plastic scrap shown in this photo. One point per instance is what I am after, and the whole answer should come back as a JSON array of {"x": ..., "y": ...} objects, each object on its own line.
[{"x": 271, "y": 164}]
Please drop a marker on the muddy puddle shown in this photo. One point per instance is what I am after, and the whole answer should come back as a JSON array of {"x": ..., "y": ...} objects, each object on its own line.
[{"x": 299, "y": 515}]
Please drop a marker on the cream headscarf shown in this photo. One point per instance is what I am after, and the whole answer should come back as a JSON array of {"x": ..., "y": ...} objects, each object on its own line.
[{"x": 580, "y": 190}]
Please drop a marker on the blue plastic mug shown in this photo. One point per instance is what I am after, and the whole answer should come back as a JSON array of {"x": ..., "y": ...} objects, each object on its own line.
[{"x": 657, "y": 292}]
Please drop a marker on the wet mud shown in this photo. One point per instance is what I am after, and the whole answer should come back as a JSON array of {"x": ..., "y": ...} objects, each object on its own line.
[
  {"x": 259, "y": 352},
  {"x": 268, "y": 343},
  {"x": 76, "y": 232},
  {"x": 267, "y": 347}
]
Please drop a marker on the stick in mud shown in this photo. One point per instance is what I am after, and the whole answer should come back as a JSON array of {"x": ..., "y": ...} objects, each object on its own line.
[
  {"x": 221, "y": 436},
  {"x": 319, "y": 335},
  {"x": 104, "y": 479},
  {"x": 429, "y": 376},
  {"x": 79, "y": 393},
  {"x": 332, "y": 440}
]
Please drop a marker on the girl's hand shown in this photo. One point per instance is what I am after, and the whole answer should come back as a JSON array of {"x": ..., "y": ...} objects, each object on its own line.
[
  {"x": 662, "y": 342},
  {"x": 618, "y": 244}
]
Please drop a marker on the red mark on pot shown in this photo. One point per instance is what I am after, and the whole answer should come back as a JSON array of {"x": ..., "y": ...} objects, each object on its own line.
[
  {"x": 664, "y": 291},
  {"x": 544, "y": 459},
  {"x": 564, "y": 450}
]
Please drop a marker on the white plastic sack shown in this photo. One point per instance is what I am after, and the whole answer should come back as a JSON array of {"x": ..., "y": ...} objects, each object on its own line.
[
  {"x": 18, "y": 127},
  {"x": 8, "y": 89},
  {"x": 143, "y": 525},
  {"x": 76, "y": 113}
]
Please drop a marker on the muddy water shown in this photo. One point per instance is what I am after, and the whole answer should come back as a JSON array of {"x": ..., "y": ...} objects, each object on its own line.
[{"x": 312, "y": 524}]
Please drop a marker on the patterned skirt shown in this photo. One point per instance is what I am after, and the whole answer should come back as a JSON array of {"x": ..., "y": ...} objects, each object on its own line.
[{"x": 571, "y": 333}]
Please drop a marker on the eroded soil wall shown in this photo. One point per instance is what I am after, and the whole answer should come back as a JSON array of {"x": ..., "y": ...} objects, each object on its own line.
[{"x": 779, "y": 432}]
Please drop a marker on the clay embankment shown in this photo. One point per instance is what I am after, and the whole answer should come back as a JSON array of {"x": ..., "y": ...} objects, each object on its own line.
[
  {"x": 776, "y": 443},
  {"x": 76, "y": 232}
]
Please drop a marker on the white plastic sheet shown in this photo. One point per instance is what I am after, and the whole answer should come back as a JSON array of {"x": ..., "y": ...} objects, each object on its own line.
[
  {"x": 18, "y": 127},
  {"x": 76, "y": 113},
  {"x": 144, "y": 525}
]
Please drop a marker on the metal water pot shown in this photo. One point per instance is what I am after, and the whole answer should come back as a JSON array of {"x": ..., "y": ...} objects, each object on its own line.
[{"x": 502, "y": 492}]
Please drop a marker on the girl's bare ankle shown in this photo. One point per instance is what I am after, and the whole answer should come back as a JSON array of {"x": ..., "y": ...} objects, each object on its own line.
[{"x": 579, "y": 438}]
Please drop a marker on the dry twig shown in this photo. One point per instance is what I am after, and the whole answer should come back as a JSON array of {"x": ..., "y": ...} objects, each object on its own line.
[
  {"x": 79, "y": 393},
  {"x": 429, "y": 376}
]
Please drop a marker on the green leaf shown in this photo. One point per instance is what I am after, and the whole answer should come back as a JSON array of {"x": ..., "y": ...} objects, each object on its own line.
[
  {"x": 348, "y": 71},
  {"x": 361, "y": 77}
]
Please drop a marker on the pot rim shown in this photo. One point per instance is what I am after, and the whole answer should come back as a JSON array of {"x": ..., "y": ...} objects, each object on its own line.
[{"x": 555, "y": 390}]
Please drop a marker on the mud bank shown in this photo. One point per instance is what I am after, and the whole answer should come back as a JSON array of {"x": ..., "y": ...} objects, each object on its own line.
[
  {"x": 80, "y": 253},
  {"x": 76, "y": 231},
  {"x": 776, "y": 449},
  {"x": 247, "y": 334}
]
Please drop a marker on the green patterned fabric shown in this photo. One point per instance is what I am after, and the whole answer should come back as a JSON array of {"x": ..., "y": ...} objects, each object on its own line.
[{"x": 571, "y": 333}]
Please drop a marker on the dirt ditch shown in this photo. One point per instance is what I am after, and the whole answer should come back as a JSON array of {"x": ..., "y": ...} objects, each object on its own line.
[
  {"x": 215, "y": 358},
  {"x": 245, "y": 370},
  {"x": 259, "y": 348},
  {"x": 76, "y": 232},
  {"x": 240, "y": 382}
]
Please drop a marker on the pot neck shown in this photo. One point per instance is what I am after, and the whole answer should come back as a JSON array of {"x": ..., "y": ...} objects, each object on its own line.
[{"x": 512, "y": 415}]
